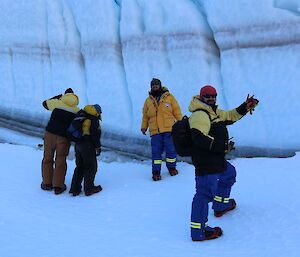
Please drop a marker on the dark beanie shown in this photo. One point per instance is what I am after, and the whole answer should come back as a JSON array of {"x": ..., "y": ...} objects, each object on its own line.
[
  {"x": 155, "y": 81},
  {"x": 69, "y": 90}
]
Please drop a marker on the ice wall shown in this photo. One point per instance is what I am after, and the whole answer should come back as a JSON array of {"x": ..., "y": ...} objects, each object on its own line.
[
  {"x": 108, "y": 51},
  {"x": 260, "y": 53},
  {"x": 289, "y": 5}
]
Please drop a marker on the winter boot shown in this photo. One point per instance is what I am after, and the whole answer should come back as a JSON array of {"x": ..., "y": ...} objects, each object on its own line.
[
  {"x": 74, "y": 193},
  {"x": 156, "y": 175},
  {"x": 210, "y": 233},
  {"x": 47, "y": 187},
  {"x": 59, "y": 190},
  {"x": 173, "y": 171},
  {"x": 232, "y": 205},
  {"x": 96, "y": 189}
]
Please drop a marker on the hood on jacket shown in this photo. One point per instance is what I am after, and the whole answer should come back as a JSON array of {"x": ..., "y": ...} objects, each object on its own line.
[
  {"x": 70, "y": 99},
  {"x": 90, "y": 109},
  {"x": 196, "y": 103}
]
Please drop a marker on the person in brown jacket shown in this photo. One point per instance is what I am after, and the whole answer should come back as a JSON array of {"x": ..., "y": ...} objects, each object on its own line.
[
  {"x": 160, "y": 112},
  {"x": 63, "y": 107}
]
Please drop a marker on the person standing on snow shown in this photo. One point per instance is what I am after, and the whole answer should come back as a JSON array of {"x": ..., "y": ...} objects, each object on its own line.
[
  {"x": 160, "y": 112},
  {"x": 63, "y": 107},
  {"x": 86, "y": 152},
  {"x": 214, "y": 175}
]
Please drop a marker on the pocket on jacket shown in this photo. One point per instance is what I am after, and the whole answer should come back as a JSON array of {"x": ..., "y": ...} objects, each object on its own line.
[{"x": 169, "y": 122}]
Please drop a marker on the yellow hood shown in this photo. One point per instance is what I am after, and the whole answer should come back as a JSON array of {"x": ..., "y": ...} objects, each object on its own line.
[
  {"x": 196, "y": 103},
  {"x": 70, "y": 99},
  {"x": 90, "y": 109}
]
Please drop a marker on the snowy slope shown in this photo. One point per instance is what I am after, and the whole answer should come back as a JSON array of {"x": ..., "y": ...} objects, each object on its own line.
[{"x": 136, "y": 217}]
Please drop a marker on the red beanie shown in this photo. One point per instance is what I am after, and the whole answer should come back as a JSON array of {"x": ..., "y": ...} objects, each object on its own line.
[{"x": 208, "y": 90}]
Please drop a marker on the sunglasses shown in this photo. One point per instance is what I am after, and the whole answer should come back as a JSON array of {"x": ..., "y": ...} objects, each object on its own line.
[{"x": 210, "y": 96}]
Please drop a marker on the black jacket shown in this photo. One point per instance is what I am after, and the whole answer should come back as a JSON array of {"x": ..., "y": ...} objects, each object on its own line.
[
  {"x": 59, "y": 121},
  {"x": 210, "y": 135}
]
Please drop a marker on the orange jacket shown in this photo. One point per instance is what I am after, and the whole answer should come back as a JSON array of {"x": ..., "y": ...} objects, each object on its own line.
[{"x": 160, "y": 117}]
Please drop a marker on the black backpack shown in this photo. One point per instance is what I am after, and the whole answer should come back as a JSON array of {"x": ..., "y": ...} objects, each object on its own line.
[
  {"x": 181, "y": 134},
  {"x": 74, "y": 131}
]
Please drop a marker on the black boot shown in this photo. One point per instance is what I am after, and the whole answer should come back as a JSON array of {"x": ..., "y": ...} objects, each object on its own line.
[
  {"x": 46, "y": 187},
  {"x": 156, "y": 175},
  {"x": 173, "y": 171},
  {"x": 95, "y": 189},
  {"x": 232, "y": 206},
  {"x": 59, "y": 190},
  {"x": 210, "y": 233}
]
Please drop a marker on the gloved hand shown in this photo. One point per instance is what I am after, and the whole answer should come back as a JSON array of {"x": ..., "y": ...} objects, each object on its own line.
[
  {"x": 229, "y": 146},
  {"x": 143, "y": 131},
  {"x": 98, "y": 151},
  {"x": 251, "y": 103}
]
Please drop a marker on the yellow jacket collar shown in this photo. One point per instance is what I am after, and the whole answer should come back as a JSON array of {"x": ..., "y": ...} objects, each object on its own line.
[
  {"x": 70, "y": 99},
  {"x": 196, "y": 103}
]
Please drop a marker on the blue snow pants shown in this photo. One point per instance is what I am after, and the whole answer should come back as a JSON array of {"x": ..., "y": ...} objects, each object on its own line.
[
  {"x": 210, "y": 188},
  {"x": 160, "y": 143}
]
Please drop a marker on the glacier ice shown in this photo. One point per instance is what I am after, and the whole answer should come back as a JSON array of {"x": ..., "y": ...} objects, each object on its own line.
[{"x": 108, "y": 51}]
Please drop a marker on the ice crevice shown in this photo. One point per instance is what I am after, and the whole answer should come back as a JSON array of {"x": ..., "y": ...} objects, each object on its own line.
[
  {"x": 47, "y": 47},
  {"x": 11, "y": 57},
  {"x": 80, "y": 52},
  {"x": 123, "y": 66},
  {"x": 213, "y": 42}
]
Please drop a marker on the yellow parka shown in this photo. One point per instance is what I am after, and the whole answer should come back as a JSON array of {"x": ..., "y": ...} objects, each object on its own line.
[
  {"x": 67, "y": 101},
  {"x": 160, "y": 117}
]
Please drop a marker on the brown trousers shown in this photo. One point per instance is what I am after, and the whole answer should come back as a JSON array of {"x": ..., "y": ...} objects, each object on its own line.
[{"x": 54, "y": 172}]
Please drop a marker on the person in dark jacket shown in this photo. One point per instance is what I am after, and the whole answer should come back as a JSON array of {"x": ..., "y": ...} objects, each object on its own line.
[
  {"x": 86, "y": 152},
  {"x": 63, "y": 107},
  {"x": 214, "y": 175}
]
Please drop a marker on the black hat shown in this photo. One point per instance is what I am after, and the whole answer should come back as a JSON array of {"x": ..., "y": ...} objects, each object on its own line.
[
  {"x": 69, "y": 90},
  {"x": 155, "y": 81}
]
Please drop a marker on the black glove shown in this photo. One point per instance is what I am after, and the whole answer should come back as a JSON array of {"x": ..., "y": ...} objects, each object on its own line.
[
  {"x": 98, "y": 151},
  {"x": 56, "y": 97},
  {"x": 251, "y": 103},
  {"x": 229, "y": 147}
]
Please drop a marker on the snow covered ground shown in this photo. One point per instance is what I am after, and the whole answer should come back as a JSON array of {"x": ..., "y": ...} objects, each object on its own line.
[{"x": 136, "y": 217}]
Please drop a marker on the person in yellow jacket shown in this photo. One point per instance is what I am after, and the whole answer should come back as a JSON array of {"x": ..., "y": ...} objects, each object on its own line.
[
  {"x": 160, "y": 112},
  {"x": 63, "y": 107}
]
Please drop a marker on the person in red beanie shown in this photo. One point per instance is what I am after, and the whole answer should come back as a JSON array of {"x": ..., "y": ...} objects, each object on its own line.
[{"x": 214, "y": 175}]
